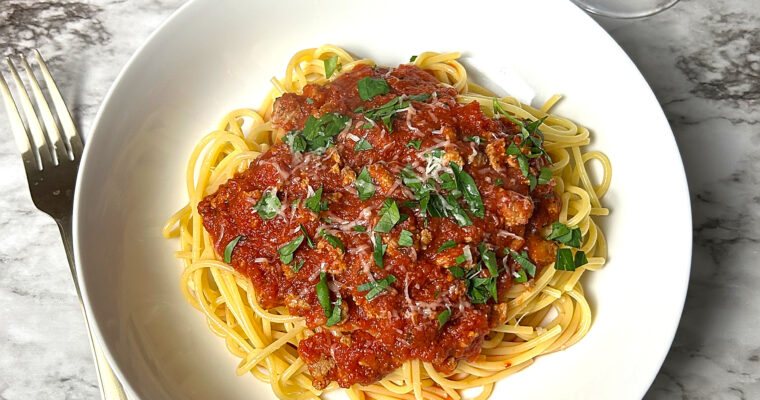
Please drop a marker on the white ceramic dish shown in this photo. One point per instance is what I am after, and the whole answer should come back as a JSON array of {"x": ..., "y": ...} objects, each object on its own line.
[{"x": 213, "y": 56}]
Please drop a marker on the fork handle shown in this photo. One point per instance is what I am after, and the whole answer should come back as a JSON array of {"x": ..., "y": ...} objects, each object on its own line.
[{"x": 110, "y": 387}]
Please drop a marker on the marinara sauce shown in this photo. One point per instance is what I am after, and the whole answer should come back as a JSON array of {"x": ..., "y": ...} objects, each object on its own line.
[{"x": 436, "y": 295}]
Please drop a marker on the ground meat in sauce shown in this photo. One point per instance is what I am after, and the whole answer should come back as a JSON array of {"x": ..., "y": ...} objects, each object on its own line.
[{"x": 375, "y": 337}]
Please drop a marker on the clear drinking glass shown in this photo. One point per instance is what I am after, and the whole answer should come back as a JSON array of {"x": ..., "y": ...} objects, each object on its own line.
[{"x": 625, "y": 8}]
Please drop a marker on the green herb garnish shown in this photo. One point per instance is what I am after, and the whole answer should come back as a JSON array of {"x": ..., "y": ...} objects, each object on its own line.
[
  {"x": 228, "y": 249},
  {"x": 389, "y": 216},
  {"x": 362, "y": 144},
  {"x": 467, "y": 185},
  {"x": 564, "y": 234},
  {"x": 447, "y": 245},
  {"x": 376, "y": 287},
  {"x": 414, "y": 143},
  {"x": 359, "y": 228},
  {"x": 314, "y": 202},
  {"x": 443, "y": 317},
  {"x": 525, "y": 262},
  {"x": 330, "y": 65},
  {"x": 333, "y": 240},
  {"x": 268, "y": 205},
  {"x": 371, "y": 87},
  {"x": 364, "y": 185},
  {"x": 379, "y": 250},
  {"x": 286, "y": 252},
  {"x": 405, "y": 239}
]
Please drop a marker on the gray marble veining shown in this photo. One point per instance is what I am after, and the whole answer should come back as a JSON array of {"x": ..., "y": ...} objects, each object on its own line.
[{"x": 702, "y": 59}]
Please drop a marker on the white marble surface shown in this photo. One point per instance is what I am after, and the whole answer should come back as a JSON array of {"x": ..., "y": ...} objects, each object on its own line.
[{"x": 702, "y": 58}]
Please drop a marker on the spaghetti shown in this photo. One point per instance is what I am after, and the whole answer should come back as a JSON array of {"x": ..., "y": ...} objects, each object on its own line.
[{"x": 545, "y": 310}]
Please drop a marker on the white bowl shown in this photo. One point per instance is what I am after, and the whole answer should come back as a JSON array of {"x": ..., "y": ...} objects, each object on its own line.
[{"x": 214, "y": 56}]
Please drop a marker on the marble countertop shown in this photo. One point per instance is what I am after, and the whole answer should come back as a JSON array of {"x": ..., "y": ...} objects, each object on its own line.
[{"x": 702, "y": 59}]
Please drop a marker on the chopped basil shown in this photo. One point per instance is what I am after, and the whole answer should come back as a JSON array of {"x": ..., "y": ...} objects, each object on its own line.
[
  {"x": 447, "y": 181},
  {"x": 475, "y": 139},
  {"x": 286, "y": 251},
  {"x": 323, "y": 294},
  {"x": 333, "y": 240},
  {"x": 364, "y": 185},
  {"x": 367, "y": 125},
  {"x": 525, "y": 262},
  {"x": 563, "y": 234},
  {"x": 308, "y": 239},
  {"x": 580, "y": 258},
  {"x": 522, "y": 278},
  {"x": 405, "y": 239},
  {"x": 513, "y": 150},
  {"x": 334, "y": 317},
  {"x": 379, "y": 250},
  {"x": 564, "y": 260},
  {"x": 524, "y": 166},
  {"x": 386, "y": 112},
  {"x": 480, "y": 289},
  {"x": 389, "y": 216},
  {"x": 295, "y": 203},
  {"x": 376, "y": 287},
  {"x": 545, "y": 176},
  {"x": 419, "y": 97},
  {"x": 467, "y": 185},
  {"x": 412, "y": 58},
  {"x": 317, "y": 134},
  {"x": 414, "y": 143},
  {"x": 362, "y": 144},
  {"x": 228, "y": 250},
  {"x": 295, "y": 140},
  {"x": 447, "y": 245},
  {"x": 359, "y": 228},
  {"x": 443, "y": 317},
  {"x": 437, "y": 292},
  {"x": 489, "y": 260},
  {"x": 533, "y": 182},
  {"x": 457, "y": 272},
  {"x": 314, "y": 202},
  {"x": 268, "y": 205},
  {"x": 498, "y": 182},
  {"x": 371, "y": 87},
  {"x": 330, "y": 65},
  {"x": 297, "y": 266},
  {"x": 310, "y": 100}
]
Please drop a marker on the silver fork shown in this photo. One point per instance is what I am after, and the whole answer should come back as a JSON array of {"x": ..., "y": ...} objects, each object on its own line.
[{"x": 51, "y": 161}]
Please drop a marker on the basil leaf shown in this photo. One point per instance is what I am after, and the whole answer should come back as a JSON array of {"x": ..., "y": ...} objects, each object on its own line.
[
  {"x": 364, "y": 185},
  {"x": 286, "y": 252},
  {"x": 359, "y": 228},
  {"x": 513, "y": 150},
  {"x": 498, "y": 182},
  {"x": 457, "y": 272},
  {"x": 319, "y": 132},
  {"x": 414, "y": 143},
  {"x": 367, "y": 125},
  {"x": 228, "y": 250},
  {"x": 405, "y": 239},
  {"x": 545, "y": 176},
  {"x": 532, "y": 181},
  {"x": 565, "y": 235},
  {"x": 447, "y": 182},
  {"x": 376, "y": 287},
  {"x": 457, "y": 212},
  {"x": 412, "y": 58},
  {"x": 295, "y": 140},
  {"x": 387, "y": 112},
  {"x": 389, "y": 217},
  {"x": 447, "y": 245},
  {"x": 314, "y": 201},
  {"x": 268, "y": 205},
  {"x": 525, "y": 262},
  {"x": 489, "y": 259},
  {"x": 371, "y": 87},
  {"x": 522, "y": 278},
  {"x": 335, "y": 314},
  {"x": 524, "y": 166},
  {"x": 580, "y": 258},
  {"x": 379, "y": 250},
  {"x": 323, "y": 294},
  {"x": 310, "y": 100},
  {"x": 467, "y": 185},
  {"x": 443, "y": 317},
  {"x": 333, "y": 240},
  {"x": 308, "y": 239},
  {"x": 297, "y": 266},
  {"x": 330, "y": 65},
  {"x": 362, "y": 144},
  {"x": 419, "y": 97},
  {"x": 564, "y": 260},
  {"x": 475, "y": 139}
]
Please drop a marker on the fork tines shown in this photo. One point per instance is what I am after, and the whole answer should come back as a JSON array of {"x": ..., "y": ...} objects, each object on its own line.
[{"x": 43, "y": 147}]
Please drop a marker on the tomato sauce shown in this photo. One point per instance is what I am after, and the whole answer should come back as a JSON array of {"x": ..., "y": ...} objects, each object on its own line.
[{"x": 408, "y": 318}]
